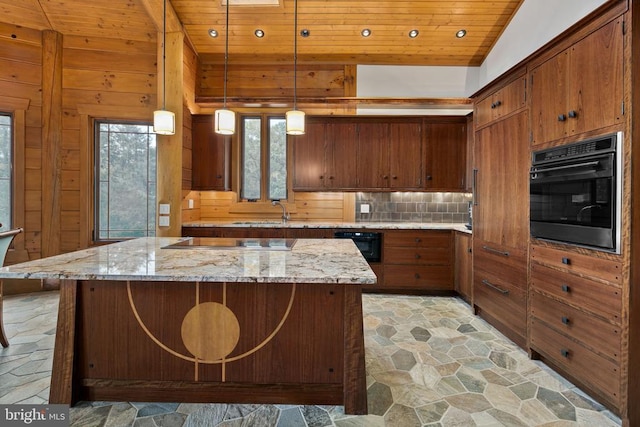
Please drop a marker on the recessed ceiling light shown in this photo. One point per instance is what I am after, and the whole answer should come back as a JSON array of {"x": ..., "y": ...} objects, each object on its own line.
[
  {"x": 414, "y": 33},
  {"x": 213, "y": 33},
  {"x": 305, "y": 33},
  {"x": 259, "y": 33},
  {"x": 461, "y": 33},
  {"x": 365, "y": 32}
]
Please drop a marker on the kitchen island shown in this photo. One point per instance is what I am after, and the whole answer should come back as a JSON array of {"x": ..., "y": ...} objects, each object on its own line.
[{"x": 215, "y": 320}]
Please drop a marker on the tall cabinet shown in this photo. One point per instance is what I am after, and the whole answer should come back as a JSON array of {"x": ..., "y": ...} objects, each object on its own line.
[{"x": 500, "y": 216}]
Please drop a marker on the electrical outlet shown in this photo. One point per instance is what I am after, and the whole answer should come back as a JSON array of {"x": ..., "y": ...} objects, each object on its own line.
[
  {"x": 190, "y": 203},
  {"x": 164, "y": 209},
  {"x": 364, "y": 208},
  {"x": 163, "y": 221}
]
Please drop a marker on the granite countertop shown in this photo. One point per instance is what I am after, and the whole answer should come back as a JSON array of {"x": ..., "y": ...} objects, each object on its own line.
[
  {"x": 308, "y": 261},
  {"x": 342, "y": 225}
]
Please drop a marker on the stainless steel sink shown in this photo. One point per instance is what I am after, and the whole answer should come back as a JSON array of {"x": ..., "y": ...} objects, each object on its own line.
[{"x": 257, "y": 222}]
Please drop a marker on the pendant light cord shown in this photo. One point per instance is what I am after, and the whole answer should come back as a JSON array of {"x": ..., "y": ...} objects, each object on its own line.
[
  {"x": 295, "y": 52},
  {"x": 226, "y": 59},
  {"x": 164, "y": 56}
]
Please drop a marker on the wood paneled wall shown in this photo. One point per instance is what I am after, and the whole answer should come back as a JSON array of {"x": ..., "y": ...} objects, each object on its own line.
[
  {"x": 325, "y": 207},
  {"x": 21, "y": 95}
]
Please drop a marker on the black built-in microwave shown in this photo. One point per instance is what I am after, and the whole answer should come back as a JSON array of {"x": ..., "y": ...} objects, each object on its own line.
[{"x": 575, "y": 193}]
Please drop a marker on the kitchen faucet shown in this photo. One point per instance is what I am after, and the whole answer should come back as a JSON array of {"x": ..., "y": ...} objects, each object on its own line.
[{"x": 285, "y": 215}]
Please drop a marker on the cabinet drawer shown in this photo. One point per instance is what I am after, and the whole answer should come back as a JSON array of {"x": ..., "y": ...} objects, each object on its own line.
[
  {"x": 417, "y": 256},
  {"x": 510, "y": 264},
  {"x": 608, "y": 270},
  {"x": 600, "y": 298},
  {"x": 430, "y": 238},
  {"x": 432, "y": 277},
  {"x": 595, "y": 333},
  {"x": 501, "y": 299},
  {"x": 598, "y": 372}
]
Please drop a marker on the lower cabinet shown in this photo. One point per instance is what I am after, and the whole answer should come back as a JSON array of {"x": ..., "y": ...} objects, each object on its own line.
[
  {"x": 463, "y": 273},
  {"x": 500, "y": 288},
  {"x": 418, "y": 260},
  {"x": 576, "y": 319}
]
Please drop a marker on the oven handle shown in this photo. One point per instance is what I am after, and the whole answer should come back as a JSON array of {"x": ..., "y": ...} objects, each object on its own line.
[{"x": 557, "y": 168}]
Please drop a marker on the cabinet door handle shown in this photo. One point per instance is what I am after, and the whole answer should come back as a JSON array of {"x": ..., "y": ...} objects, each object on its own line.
[
  {"x": 565, "y": 320},
  {"x": 565, "y": 353},
  {"x": 566, "y": 261},
  {"x": 573, "y": 114},
  {"x": 495, "y": 251},
  {"x": 418, "y": 240},
  {"x": 385, "y": 177},
  {"x": 429, "y": 177},
  {"x": 562, "y": 118},
  {"x": 394, "y": 177},
  {"x": 565, "y": 288},
  {"x": 321, "y": 176},
  {"x": 474, "y": 187},
  {"x": 494, "y": 287},
  {"x": 418, "y": 256},
  {"x": 416, "y": 275},
  {"x": 498, "y": 103}
]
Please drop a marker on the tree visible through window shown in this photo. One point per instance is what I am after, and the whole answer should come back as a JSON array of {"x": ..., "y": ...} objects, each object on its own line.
[
  {"x": 264, "y": 145},
  {"x": 6, "y": 166},
  {"x": 125, "y": 180}
]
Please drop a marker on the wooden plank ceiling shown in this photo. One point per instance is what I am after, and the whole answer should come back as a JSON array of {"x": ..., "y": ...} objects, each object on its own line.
[{"x": 334, "y": 27}]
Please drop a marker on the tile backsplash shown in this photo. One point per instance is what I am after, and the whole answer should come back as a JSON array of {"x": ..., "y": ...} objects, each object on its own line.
[{"x": 413, "y": 207}]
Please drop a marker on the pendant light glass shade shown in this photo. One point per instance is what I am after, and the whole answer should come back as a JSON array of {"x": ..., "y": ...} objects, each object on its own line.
[
  {"x": 295, "y": 122},
  {"x": 164, "y": 122},
  {"x": 225, "y": 122}
]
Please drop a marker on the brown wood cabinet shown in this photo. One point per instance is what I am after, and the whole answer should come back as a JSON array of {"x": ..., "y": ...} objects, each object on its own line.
[
  {"x": 501, "y": 226},
  {"x": 323, "y": 158},
  {"x": 418, "y": 260},
  {"x": 576, "y": 318},
  {"x": 211, "y": 156},
  {"x": 581, "y": 88},
  {"x": 389, "y": 155},
  {"x": 445, "y": 155},
  {"x": 463, "y": 273},
  {"x": 501, "y": 103}
]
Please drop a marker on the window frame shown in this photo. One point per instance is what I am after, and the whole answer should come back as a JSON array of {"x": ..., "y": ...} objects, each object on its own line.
[
  {"x": 265, "y": 144},
  {"x": 95, "y": 123},
  {"x": 12, "y": 170}
]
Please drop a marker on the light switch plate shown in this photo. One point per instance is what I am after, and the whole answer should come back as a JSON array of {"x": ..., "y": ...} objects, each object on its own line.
[
  {"x": 164, "y": 209},
  {"x": 364, "y": 208},
  {"x": 163, "y": 221}
]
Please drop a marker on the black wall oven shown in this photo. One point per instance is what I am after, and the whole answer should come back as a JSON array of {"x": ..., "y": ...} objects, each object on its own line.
[{"x": 575, "y": 193}]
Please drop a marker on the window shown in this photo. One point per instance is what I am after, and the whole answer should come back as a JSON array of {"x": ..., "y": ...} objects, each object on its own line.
[
  {"x": 6, "y": 171},
  {"x": 264, "y": 158},
  {"x": 125, "y": 156}
]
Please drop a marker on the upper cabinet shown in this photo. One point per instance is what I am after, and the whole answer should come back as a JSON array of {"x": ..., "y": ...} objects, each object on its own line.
[
  {"x": 389, "y": 155},
  {"x": 211, "y": 156},
  {"x": 502, "y": 102},
  {"x": 381, "y": 154},
  {"x": 581, "y": 88},
  {"x": 323, "y": 158},
  {"x": 445, "y": 155}
]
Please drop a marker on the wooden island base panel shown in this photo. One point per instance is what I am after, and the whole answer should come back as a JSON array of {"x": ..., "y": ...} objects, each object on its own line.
[{"x": 140, "y": 322}]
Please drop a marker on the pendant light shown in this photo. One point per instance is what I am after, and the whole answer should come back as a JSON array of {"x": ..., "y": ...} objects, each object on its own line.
[
  {"x": 295, "y": 117},
  {"x": 164, "y": 122},
  {"x": 225, "y": 120}
]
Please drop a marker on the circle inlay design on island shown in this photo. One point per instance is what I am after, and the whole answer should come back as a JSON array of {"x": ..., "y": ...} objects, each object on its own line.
[{"x": 210, "y": 331}]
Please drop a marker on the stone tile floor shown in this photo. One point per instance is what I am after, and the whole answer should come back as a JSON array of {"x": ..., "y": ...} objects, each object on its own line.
[{"x": 430, "y": 362}]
